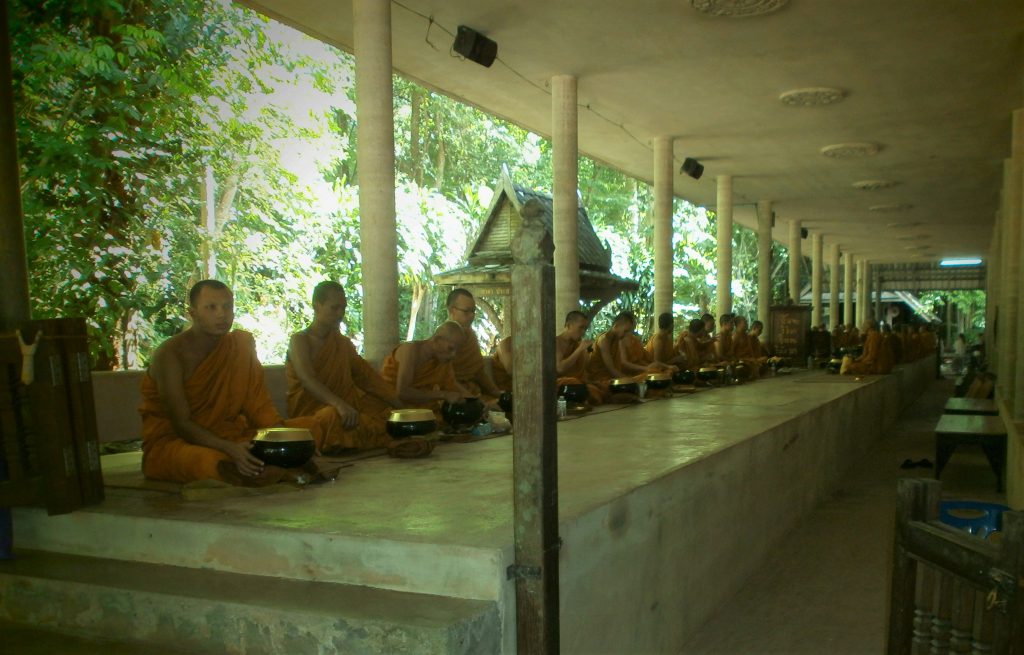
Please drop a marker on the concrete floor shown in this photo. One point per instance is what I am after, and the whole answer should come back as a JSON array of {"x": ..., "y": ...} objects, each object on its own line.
[{"x": 826, "y": 587}]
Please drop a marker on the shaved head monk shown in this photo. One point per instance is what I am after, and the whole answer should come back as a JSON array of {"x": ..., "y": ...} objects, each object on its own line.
[
  {"x": 611, "y": 358},
  {"x": 572, "y": 350},
  {"x": 204, "y": 397},
  {"x": 661, "y": 346},
  {"x": 469, "y": 361},
  {"x": 421, "y": 371},
  {"x": 328, "y": 379}
]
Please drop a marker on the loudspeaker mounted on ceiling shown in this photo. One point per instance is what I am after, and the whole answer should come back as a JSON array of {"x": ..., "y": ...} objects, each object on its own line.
[
  {"x": 692, "y": 167},
  {"x": 474, "y": 46},
  {"x": 804, "y": 233}
]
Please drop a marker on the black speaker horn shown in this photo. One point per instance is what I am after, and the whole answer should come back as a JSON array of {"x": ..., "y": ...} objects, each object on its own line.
[
  {"x": 474, "y": 46},
  {"x": 692, "y": 167}
]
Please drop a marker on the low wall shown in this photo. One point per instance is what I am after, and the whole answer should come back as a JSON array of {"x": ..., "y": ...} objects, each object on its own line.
[
  {"x": 117, "y": 396},
  {"x": 641, "y": 573}
]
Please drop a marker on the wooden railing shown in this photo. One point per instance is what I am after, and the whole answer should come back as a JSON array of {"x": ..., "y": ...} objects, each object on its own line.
[{"x": 953, "y": 592}]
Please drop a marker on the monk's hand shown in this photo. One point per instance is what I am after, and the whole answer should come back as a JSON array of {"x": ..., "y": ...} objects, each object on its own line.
[
  {"x": 349, "y": 415},
  {"x": 585, "y": 344},
  {"x": 247, "y": 463},
  {"x": 452, "y": 396}
]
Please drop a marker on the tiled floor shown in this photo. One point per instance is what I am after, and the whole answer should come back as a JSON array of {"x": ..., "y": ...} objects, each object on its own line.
[{"x": 825, "y": 588}]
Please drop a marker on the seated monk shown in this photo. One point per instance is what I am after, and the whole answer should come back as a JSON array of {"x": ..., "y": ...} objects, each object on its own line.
[
  {"x": 871, "y": 359},
  {"x": 660, "y": 347},
  {"x": 421, "y": 371},
  {"x": 204, "y": 397},
  {"x": 571, "y": 355},
  {"x": 611, "y": 360},
  {"x": 757, "y": 349},
  {"x": 470, "y": 371},
  {"x": 743, "y": 347},
  {"x": 328, "y": 379},
  {"x": 501, "y": 370},
  {"x": 690, "y": 345},
  {"x": 724, "y": 346}
]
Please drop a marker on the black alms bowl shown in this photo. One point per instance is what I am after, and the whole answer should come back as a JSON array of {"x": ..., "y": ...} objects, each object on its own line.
[
  {"x": 710, "y": 374},
  {"x": 405, "y": 423},
  {"x": 624, "y": 385},
  {"x": 684, "y": 377},
  {"x": 576, "y": 394},
  {"x": 658, "y": 381},
  {"x": 464, "y": 414},
  {"x": 284, "y": 447}
]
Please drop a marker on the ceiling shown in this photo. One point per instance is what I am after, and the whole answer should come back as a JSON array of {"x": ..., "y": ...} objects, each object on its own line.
[{"x": 929, "y": 85}]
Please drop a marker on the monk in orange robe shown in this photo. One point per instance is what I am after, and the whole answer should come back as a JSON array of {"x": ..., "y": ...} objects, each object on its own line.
[
  {"x": 660, "y": 347},
  {"x": 724, "y": 346},
  {"x": 470, "y": 370},
  {"x": 743, "y": 347},
  {"x": 421, "y": 372},
  {"x": 871, "y": 359},
  {"x": 329, "y": 380},
  {"x": 612, "y": 356},
  {"x": 571, "y": 355},
  {"x": 690, "y": 345},
  {"x": 204, "y": 397},
  {"x": 756, "y": 347},
  {"x": 501, "y": 368}
]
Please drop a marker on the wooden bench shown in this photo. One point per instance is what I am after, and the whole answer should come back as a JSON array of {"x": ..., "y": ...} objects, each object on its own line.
[
  {"x": 982, "y": 406},
  {"x": 989, "y": 432}
]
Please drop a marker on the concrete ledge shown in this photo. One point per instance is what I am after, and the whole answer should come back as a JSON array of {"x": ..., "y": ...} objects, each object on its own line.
[{"x": 207, "y": 612}]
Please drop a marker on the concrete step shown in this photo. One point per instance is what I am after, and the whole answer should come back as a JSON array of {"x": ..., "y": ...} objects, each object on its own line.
[
  {"x": 24, "y": 640},
  {"x": 199, "y": 611}
]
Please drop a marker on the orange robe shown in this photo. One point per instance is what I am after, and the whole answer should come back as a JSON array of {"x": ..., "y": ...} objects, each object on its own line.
[
  {"x": 690, "y": 347},
  {"x": 502, "y": 378},
  {"x": 660, "y": 348},
  {"x": 725, "y": 348},
  {"x": 340, "y": 368},
  {"x": 468, "y": 363},
  {"x": 596, "y": 370},
  {"x": 635, "y": 351},
  {"x": 868, "y": 362},
  {"x": 597, "y": 393},
  {"x": 431, "y": 375},
  {"x": 227, "y": 395}
]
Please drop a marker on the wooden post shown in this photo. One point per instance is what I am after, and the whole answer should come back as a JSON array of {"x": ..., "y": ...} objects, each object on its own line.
[
  {"x": 917, "y": 501},
  {"x": 14, "y": 302},
  {"x": 1009, "y": 633},
  {"x": 534, "y": 446}
]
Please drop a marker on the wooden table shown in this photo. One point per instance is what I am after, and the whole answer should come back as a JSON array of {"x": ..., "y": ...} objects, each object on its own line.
[
  {"x": 971, "y": 406},
  {"x": 985, "y": 431}
]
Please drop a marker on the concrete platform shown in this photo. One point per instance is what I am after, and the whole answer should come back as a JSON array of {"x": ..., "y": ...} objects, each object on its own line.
[{"x": 665, "y": 509}]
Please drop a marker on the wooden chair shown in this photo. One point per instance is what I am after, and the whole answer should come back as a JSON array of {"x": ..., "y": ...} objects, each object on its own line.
[{"x": 952, "y": 592}]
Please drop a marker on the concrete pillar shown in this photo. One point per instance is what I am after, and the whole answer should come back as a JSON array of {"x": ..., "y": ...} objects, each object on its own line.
[
  {"x": 817, "y": 265},
  {"x": 14, "y": 302},
  {"x": 862, "y": 288},
  {"x": 376, "y": 157},
  {"x": 794, "y": 262},
  {"x": 833, "y": 286},
  {"x": 764, "y": 266},
  {"x": 565, "y": 151},
  {"x": 848, "y": 317},
  {"x": 1017, "y": 151},
  {"x": 877, "y": 313},
  {"x": 1011, "y": 282},
  {"x": 663, "y": 193},
  {"x": 724, "y": 215}
]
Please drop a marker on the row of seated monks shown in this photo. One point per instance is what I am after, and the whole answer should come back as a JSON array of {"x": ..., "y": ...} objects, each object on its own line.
[
  {"x": 882, "y": 349},
  {"x": 204, "y": 395}
]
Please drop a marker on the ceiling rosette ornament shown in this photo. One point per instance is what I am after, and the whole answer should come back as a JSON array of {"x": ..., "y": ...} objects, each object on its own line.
[
  {"x": 815, "y": 96},
  {"x": 850, "y": 150},
  {"x": 737, "y": 8}
]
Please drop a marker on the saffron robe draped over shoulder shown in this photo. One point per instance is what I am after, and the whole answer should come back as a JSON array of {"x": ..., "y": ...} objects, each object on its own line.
[
  {"x": 596, "y": 369},
  {"x": 431, "y": 375},
  {"x": 872, "y": 360},
  {"x": 227, "y": 395},
  {"x": 577, "y": 374},
  {"x": 340, "y": 368},
  {"x": 468, "y": 362}
]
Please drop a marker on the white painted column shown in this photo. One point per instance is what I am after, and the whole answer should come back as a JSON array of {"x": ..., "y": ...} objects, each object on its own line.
[
  {"x": 764, "y": 266},
  {"x": 862, "y": 300},
  {"x": 794, "y": 261},
  {"x": 663, "y": 193},
  {"x": 1017, "y": 150},
  {"x": 724, "y": 215},
  {"x": 817, "y": 264},
  {"x": 564, "y": 154},
  {"x": 1011, "y": 284},
  {"x": 376, "y": 156},
  {"x": 848, "y": 317},
  {"x": 833, "y": 287},
  {"x": 878, "y": 294}
]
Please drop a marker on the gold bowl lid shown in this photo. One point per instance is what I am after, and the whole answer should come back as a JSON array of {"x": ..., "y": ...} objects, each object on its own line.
[
  {"x": 410, "y": 415},
  {"x": 655, "y": 377},
  {"x": 710, "y": 369},
  {"x": 283, "y": 434},
  {"x": 621, "y": 381}
]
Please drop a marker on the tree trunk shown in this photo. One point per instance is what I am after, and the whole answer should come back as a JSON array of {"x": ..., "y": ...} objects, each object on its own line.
[
  {"x": 492, "y": 315},
  {"x": 418, "y": 293},
  {"x": 439, "y": 166},
  {"x": 414, "y": 136}
]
